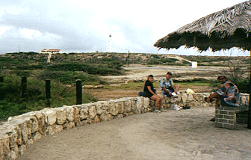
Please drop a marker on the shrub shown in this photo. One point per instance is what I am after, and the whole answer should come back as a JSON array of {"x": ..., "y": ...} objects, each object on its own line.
[
  {"x": 100, "y": 69},
  {"x": 11, "y": 104},
  {"x": 68, "y": 77}
]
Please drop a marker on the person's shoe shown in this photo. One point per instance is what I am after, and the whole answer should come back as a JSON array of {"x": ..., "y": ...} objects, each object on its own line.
[
  {"x": 174, "y": 95},
  {"x": 163, "y": 110},
  {"x": 207, "y": 99},
  {"x": 157, "y": 111},
  {"x": 186, "y": 107}
]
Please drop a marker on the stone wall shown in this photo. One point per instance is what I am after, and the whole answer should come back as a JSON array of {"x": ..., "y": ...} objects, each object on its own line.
[
  {"x": 184, "y": 99},
  {"x": 20, "y": 132}
]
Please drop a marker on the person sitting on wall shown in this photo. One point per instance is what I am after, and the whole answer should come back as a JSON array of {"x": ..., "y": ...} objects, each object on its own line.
[
  {"x": 167, "y": 86},
  {"x": 150, "y": 92},
  {"x": 228, "y": 93}
]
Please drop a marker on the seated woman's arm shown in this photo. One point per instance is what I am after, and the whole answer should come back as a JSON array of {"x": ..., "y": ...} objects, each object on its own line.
[
  {"x": 150, "y": 90},
  {"x": 230, "y": 97}
]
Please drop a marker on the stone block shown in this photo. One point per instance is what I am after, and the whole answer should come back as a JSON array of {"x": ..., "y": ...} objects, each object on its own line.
[
  {"x": 120, "y": 107},
  {"x": 37, "y": 136},
  {"x": 229, "y": 117},
  {"x": 119, "y": 116},
  {"x": 219, "y": 125},
  {"x": 106, "y": 116},
  {"x": 139, "y": 105},
  {"x": 223, "y": 112},
  {"x": 13, "y": 138},
  {"x": 96, "y": 119},
  {"x": 69, "y": 113},
  {"x": 76, "y": 114},
  {"x": 57, "y": 128},
  {"x": 24, "y": 132},
  {"x": 13, "y": 155},
  {"x": 112, "y": 108},
  {"x": 229, "y": 126},
  {"x": 34, "y": 124},
  {"x": 146, "y": 103},
  {"x": 84, "y": 114},
  {"x": 51, "y": 116},
  {"x": 49, "y": 130},
  {"x": 22, "y": 149},
  {"x": 4, "y": 146},
  {"x": 61, "y": 116},
  {"x": 69, "y": 125},
  {"x": 128, "y": 105},
  {"x": 100, "y": 107},
  {"x": 92, "y": 111},
  {"x": 41, "y": 122}
]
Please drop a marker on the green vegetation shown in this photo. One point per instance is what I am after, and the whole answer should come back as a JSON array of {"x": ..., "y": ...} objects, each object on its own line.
[
  {"x": 139, "y": 85},
  {"x": 157, "y": 60},
  {"x": 11, "y": 103}
]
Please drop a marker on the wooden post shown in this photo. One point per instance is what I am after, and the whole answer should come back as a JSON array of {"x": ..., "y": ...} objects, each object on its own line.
[
  {"x": 48, "y": 92},
  {"x": 1, "y": 95},
  {"x": 23, "y": 87},
  {"x": 249, "y": 110},
  {"x": 78, "y": 91}
]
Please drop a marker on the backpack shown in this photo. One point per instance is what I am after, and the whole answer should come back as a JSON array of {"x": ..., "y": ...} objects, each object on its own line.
[{"x": 142, "y": 94}]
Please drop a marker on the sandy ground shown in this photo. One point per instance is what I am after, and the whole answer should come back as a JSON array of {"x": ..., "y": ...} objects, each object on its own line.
[
  {"x": 172, "y": 135},
  {"x": 140, "y": 72}
]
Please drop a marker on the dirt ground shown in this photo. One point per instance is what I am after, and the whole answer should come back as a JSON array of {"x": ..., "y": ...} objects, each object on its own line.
[
  {"x": 107, "y": 94},
  {"x": 140, "y": 72},
  {"x": 172, "y": 135}
]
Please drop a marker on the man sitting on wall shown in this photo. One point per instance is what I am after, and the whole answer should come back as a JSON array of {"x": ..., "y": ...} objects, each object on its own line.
[
  {"x": 168, "y": 87},
  {"x": 228, "y": 93}
]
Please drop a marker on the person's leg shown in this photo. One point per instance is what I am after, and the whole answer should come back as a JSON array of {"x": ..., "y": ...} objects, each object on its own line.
[
  {"x": 212, "y": 96},
  {"x": 161, "y": 102},
  {"x": 158, "y": 100},
  {"x": 177, "y": 88}
]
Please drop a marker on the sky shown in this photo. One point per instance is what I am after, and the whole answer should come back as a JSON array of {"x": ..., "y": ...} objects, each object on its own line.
[{"x": 85, "y": 25}]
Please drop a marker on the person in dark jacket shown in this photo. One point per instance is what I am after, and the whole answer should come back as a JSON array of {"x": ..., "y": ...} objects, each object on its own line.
[{"x": 150, "y": 92}]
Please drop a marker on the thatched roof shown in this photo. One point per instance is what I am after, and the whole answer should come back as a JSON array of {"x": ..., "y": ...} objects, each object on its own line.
[{"x": 225, "y": 29}]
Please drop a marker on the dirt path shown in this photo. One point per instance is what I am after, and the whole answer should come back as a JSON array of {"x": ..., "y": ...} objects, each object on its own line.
[{"x": 172, "y": 135}]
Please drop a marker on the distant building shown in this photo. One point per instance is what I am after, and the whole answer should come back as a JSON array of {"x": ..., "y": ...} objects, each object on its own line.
[{"x": 50, "y": 51}]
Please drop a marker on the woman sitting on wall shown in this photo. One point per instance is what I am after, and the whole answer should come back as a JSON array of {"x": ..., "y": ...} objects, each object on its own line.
[{"x": 150, "y": 92}]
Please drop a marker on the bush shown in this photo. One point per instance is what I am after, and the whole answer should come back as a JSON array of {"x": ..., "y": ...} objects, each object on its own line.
[
  {"x": 243, "y": 85},
  {"x": 68, "y": 77},
  {"x": 100, "y": 69},
  {"x": 12, "y": 104}
]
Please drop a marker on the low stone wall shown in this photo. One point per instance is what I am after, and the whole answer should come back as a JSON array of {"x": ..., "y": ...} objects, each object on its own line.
[
  {"x": 20, "y": 132},
  {"x": 184, "y": 99}
]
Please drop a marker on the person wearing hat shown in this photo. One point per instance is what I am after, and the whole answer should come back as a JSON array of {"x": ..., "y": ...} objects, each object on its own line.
[
  {"x": 167, "y": 86},
  {"x": 224, "y": 90}
]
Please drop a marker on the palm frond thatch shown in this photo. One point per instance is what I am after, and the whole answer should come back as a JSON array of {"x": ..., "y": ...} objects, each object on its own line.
[{"x": 225, "y": 29}]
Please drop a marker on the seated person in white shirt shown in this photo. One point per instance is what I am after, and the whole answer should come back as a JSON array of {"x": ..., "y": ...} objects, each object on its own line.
[{"x": 167, "y": 86}]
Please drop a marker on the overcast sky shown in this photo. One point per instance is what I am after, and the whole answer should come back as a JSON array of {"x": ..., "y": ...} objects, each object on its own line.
[{"x": 85, "y": 25}]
